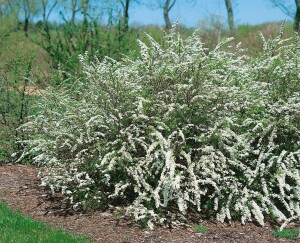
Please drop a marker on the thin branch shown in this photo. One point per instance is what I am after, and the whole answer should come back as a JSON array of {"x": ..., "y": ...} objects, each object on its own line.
[
  {"x": 122, "y": 4},
  {"x": 51, "y": 9},
  {"x": 283, "y": 8},
  {"x": 172, "y": 5}
]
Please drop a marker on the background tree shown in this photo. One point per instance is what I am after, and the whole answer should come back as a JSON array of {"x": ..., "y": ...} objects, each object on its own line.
[
  {"x": 167, "y": 7},
  {"x": 72, "y": 7},
  {"x": 29, "y": 8},
  {"x": 85, "y": 8},
  {"x": 75, "y": 6},
  {"x": 123, "y": 12},
  {"x": 4, "y": 8},
  {"x": 125, "y": 17},
  {"x": 9, "y": 8},
  {"x": 122, "y": 8},
  {"x": 297, "y": 17},
  {"x": 230, "y": 16},
  {"x": 125, "y": 4},
  {"x": 288, "y": 8},
  {"x": 47, "y": 8}
]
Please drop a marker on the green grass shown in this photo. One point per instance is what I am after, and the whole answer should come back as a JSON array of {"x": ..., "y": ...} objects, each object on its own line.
[
  {"x": 200, "y": 228},
  {"x": 17, "y": 228},
  {"x": 287, "y": 233}
]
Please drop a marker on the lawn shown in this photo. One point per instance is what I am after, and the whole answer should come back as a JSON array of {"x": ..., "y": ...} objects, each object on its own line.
[{"x": 15, "y": 227}]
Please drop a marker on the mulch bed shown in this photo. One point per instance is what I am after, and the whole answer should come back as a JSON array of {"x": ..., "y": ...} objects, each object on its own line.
[{"x": 19, "y": 188}]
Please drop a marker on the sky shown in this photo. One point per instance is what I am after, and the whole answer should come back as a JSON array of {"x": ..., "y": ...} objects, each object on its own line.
[{"x": 191, "y": 13}]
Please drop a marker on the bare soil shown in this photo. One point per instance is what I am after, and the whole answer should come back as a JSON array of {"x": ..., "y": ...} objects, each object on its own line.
[{"x": 19, "y": 188}]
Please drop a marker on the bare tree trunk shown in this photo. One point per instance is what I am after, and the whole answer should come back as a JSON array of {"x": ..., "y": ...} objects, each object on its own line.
[
  {"x": 126, "y": 15},
  {"x": 74, "y": 10},
  {"x": 85, "y": 7},
  {"x": 73, "y": 18},
  {"x": 166, "y": 15},
  {"x": 1, "y": 11},
  {"x": 167, "y": 8},
  {"x": 26, "y": 24},
  {"x": 297, "y": 17},
  {"x": 44, "y": 6},
  {"x": 27, "y": 13},
  {"x": 230, "y": 16}
]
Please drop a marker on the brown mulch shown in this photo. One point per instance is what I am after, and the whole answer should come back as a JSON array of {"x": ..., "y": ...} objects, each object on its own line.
[{"x": 19, "y": 188}]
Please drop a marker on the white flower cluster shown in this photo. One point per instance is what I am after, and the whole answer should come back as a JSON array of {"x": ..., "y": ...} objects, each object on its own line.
[{"x": 181, "y": 130}]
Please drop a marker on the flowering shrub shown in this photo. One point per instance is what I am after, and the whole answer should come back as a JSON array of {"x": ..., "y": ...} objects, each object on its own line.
[{"x": 181, "y": 130}]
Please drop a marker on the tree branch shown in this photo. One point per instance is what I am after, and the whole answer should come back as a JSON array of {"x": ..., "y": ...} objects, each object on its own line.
[
  {"x": 51, "y": 9},
  {"x": 283, "y": 7},
  {"x": 172, "y": 5}
]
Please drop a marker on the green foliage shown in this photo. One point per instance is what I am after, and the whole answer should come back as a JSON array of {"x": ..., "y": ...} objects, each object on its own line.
[
  {"x": 287, "y": 233},
  {"x": 126, "y": 238},
  {"x": 143, "y": 223},
  {"x": 15, "y": 72},
  {"x": 17, "y": 228},
  {"x": 200, "y": 228},
  {"x": 23, "y": 66},
  {"x": 68, "y": 41}
]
